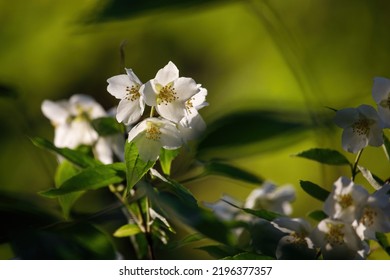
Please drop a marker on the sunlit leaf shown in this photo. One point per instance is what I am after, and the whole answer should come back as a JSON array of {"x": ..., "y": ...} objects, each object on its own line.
[
  {"x": 166, "y": 158},
  {"x": 189, "y": 239},
  {"x": 65, "y": 171},
  {"x": 136, "y": 168},
  {"x": 230, "y": 171},
  {"x": 127, "y": 230},
  {"x": 383, "y": 241},
  {"x": 326, "y": 156},
  {"x": 77, "y": 157},
  {"x": 317, "y": 215},
  {"x": 91, "y": 178},
  {"x": 314, "y": 190},
  {"x": 106, "y": 126}
]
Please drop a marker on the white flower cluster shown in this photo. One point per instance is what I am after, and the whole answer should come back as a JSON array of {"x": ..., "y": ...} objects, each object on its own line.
[
  {"x": 364, "y": 125},
  {"x": 175, "y": 99},
  {"x": 353, "y": 217}
]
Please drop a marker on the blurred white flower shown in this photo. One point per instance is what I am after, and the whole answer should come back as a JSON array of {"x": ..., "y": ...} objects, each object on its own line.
[
  {"x": 297, "y": 243},
  {"x": 152, "y": 134},
  {"x": 127, "y": 88},
  {"x": 72, "y": 122},
  {"x": 271, "y": 198},
  {"x": 224, "y": 209},
  {"x": 381, "y": 95},
  {"x": 376, "y": 214},
  {"x": 169, "y": 93},
  {"x": 362, "y": 126},
  {"x": 337, "y": 240},
  {"x": 346, "y": 200}
]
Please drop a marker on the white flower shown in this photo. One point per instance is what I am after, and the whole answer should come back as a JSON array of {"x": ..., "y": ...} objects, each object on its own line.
[
  {"x": 152, "y": 134},
  {"x": 168, "y": 92},
  {"x": 72, "y": 121},
  {"x": 346, "y": 200},
  {"x": 296, "y": 244},
  {"x": 337, "y": 240},
  {"x": 127, "y": 88},
  {"x": 381, "y": 95},
  {"x": 362, "y": 126},
  {"x": 271, "y": 198},
  {"x": 192, "y": 124},
  {"x": 376, "y": 214}
]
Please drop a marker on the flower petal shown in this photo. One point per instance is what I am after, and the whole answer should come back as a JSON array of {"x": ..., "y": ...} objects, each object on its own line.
[
  {"x": 173, "y": 111},
  {"x": 56, "y": 112},
  {"x": 130, "y": 111},
  {"x": 117, "y": 85},
  {"x": 167, "y": 74},
  {"x": 346, "y": 117},
  {"x": 185, "y": 88},
  {"x": 148, "y": 93},
  {"x": 353, "y": 142},
  {"x": 380, "y": 89}
]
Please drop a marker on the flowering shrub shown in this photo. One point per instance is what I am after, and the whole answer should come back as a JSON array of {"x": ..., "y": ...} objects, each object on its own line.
[{"x": 130, "y": 152}]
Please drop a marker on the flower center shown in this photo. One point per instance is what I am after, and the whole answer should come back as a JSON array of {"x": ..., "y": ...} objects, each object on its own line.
[
  {"x": 152, "y": 131},
  {"x": 132, "y": 93},
  {"x": 368, "y": 216},
  {"x": 166, "y": 94},
  {"x": 189, "y": 105},
  {"x": 82, "y": 114},
  {"x": 345, "y": 200},
  {"x": 386, "y": 102},
  {"x": 335, "y": 235},
  {"x": 299, "y": 238},
  {"x": 361, "y": 127}
]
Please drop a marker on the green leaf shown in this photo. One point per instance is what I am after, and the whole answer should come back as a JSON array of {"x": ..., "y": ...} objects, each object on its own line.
[
  {"x": 136, "y": 168},
  {"x": 220, "y": 251},
  {"x": 127, "y": 230},
  {"x": 383, "y": 241},
  {"x": 262, "y": 213},
  {"x": 314, "y": 190},
  {"x": 77, "y": 157},
  {"x": 230, "y": 171},
  {"x": 248, "y": 132},
  {"x": 7, "y": 91},
  {"x": 91, "y": 178},
  {"x": 171, "y": 186},
  {"x": 65, "y": 171},
  {"x": 325, "y": 156},
  {"x": 185, "y": 241},
  {"x": 317, "y": 215},
  {"x": 106, "y": 126},
  {"x": 249, "y": 256},
  {"x": 166, "y": 158}
]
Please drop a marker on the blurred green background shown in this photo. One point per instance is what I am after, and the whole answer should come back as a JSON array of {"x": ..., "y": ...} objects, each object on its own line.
[{"x": 292, "y": 58}]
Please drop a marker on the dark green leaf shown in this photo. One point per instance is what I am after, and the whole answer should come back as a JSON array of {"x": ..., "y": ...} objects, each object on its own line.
[
  {"x": 106, "y": 126},
  {"x": 77, "y": 157},
  {"x": 166, "y": 158},
  {"x": 325, "y": 156},
  {"x": 220, "y": 251},
  {"x": 383, "y": 241},
  {"x": 91, "y": 178},
  {"x": 252, "y": 127},
  {"x": 127, "y": 230},
  {"x": 136, "y": 168},
  {"x": 314, "y": 190},
  {"x": 74, "y": 241},
  {"x": 230, "y": 171},
  {"x": 121, "y": 9},
  {"x": 317, "y": 215},
  {"x": 262, "y": 213},
  {"x": 7, "y": 91},
  {"x": 249, "y": 256},
  {"x": 65, "y": 171}
]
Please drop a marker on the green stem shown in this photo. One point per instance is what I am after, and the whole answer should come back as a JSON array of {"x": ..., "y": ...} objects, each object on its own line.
[
  {"x": 355, "y": 165},
  {"x": 146, "y": 223},
  {"x": 152, "y": 112}
]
